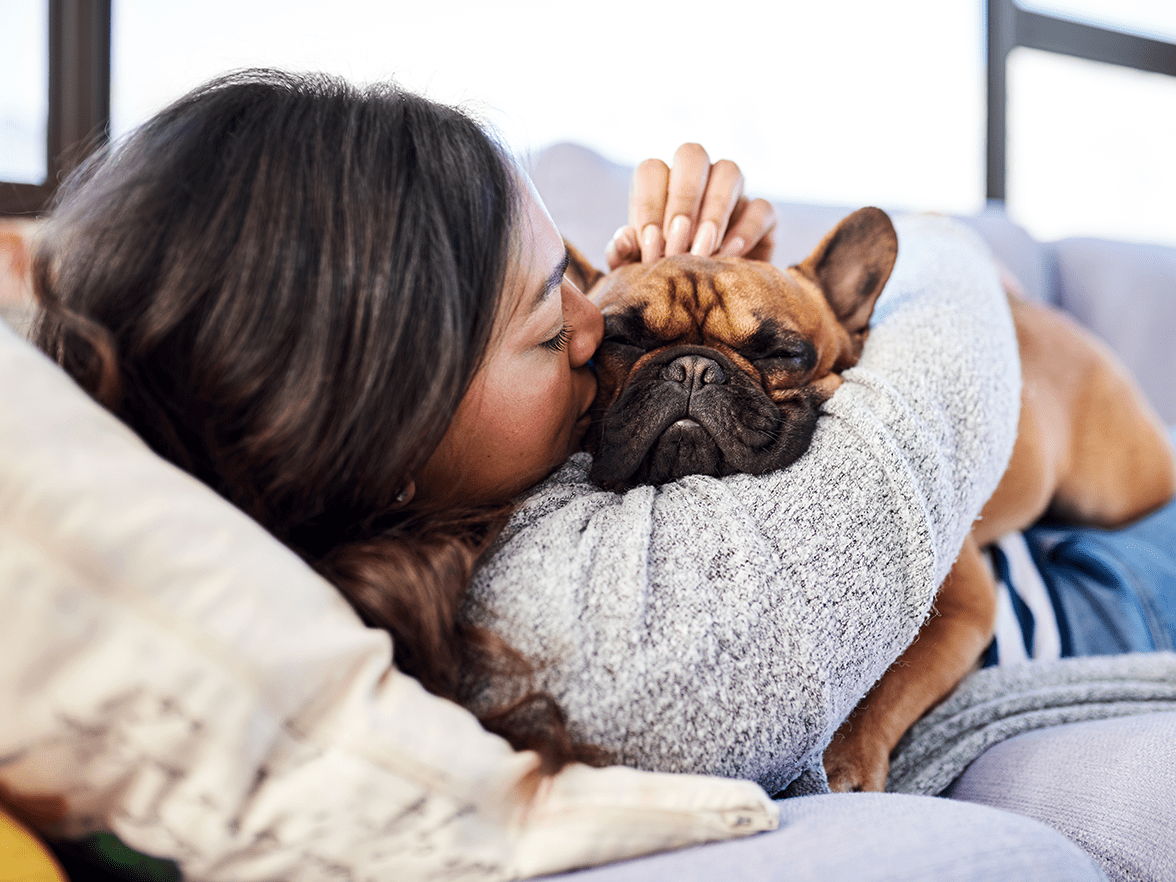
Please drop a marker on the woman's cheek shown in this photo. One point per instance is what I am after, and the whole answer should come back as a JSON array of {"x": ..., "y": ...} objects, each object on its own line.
[{"x": 545, "y": 409}]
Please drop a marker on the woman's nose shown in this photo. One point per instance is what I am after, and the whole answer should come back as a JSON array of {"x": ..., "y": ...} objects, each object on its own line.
[{"x": 586, "y": 322}]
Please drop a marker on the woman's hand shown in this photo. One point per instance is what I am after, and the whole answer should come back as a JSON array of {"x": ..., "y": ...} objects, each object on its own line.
[{"x": 692, "y": 206}]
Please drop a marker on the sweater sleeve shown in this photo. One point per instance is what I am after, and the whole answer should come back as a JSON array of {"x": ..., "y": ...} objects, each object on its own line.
[{"x": 727, "y": 626}]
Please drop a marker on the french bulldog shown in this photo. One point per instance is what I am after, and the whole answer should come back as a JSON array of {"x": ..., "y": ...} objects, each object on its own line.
[{"x": 721, "y": 365}]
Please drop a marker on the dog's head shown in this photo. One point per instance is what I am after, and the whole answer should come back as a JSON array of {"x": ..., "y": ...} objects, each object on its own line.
[{"x": 721, "y": 365}]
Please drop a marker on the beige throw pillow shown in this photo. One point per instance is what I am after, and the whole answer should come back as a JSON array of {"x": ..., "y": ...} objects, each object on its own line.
[{"x": 181, "y": 678}]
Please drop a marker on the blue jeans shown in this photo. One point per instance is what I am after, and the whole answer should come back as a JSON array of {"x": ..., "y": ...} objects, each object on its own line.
[{"x": 1114, "y": 591}]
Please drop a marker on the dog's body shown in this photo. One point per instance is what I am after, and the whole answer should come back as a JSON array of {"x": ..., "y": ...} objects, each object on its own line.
[{"x": 718, "y": 366}]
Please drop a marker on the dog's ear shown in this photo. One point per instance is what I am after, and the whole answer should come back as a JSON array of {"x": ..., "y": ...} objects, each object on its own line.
[
  {"x": 852, "y": 264},
  {"x": 581, "y": 272}
]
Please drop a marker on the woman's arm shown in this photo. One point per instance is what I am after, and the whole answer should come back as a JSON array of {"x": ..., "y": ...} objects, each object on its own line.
[{"x": 728, "y": 625}]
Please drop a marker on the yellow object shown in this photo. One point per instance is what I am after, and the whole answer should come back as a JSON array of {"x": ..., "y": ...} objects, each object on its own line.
[{"x": 22, "y": 856}]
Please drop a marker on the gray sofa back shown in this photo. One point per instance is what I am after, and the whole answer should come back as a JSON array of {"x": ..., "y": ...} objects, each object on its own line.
[{"x": 1125, "y": 293}]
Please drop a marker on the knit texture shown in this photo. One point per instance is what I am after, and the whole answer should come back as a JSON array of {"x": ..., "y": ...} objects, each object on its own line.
[
  {"x": 998, "y": 703},
  {"x": 727, "y": 626}
]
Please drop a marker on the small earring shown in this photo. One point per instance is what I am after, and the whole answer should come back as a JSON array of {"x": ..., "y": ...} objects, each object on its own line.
[{"x": 405, "y": 495}]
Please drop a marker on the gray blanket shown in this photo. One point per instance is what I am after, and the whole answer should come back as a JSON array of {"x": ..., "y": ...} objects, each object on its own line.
[{"x": 998, "y": 703}]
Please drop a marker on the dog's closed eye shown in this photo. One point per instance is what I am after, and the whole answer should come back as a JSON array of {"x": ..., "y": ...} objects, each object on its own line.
[
  {"x": 613, "y": 339},
  {"x": 620, "y": 349},
  {"x": 794, "y": 360},
  {"x": 772, "y": 348}
]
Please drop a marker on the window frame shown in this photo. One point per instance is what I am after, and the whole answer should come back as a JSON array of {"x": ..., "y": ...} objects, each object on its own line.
[
  {"x": 1010, "y": 26},
  {"x": 79, "y": 98},
  {"x": 79, "y": 82}
]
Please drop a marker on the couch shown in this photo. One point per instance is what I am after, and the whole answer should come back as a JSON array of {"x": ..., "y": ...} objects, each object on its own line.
[
  {"x": 133, "y": 567},
  {"x": 1124, "y": 292}
]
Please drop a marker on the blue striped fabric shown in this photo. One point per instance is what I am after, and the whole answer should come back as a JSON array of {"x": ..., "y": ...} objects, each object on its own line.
[
  {"x": 1026, "y": 620},
  {"x": 1076, "y": 591}
]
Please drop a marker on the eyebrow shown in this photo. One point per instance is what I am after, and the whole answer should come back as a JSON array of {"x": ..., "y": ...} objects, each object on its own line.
[{"x": 552, "y": 281}]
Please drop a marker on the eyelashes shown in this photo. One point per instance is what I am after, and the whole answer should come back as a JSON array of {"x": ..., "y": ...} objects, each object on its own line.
[{"x": 560, "y": 341}]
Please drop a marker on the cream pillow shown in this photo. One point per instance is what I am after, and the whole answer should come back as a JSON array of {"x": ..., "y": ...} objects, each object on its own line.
[{"x": 182, "y": 679}]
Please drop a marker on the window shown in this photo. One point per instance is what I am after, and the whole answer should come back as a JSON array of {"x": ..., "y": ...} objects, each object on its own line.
[
  {"x": 843, "y": 103},
  {"x": 1087, "y": 143},
  {"x": 1090, "y": 149},
  {"x": 24, "y": 112},
  {"x": 64, "y": 101},
  {"x": 1148, "y": 18},
  {"x": 847, "y": 104}
]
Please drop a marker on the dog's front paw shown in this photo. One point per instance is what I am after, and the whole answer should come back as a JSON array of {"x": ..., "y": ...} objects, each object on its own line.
[{"x": 855, "y": 764}]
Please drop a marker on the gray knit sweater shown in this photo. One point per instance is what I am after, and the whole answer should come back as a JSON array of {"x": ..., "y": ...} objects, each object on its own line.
[{"x": 727, "y": 626}]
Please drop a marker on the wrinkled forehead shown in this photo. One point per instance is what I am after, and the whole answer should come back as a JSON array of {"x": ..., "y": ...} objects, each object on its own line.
[{"x": 701, "y": 298}]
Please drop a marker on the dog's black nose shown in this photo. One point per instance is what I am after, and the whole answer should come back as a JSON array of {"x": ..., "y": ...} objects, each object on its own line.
[{"x": 694, "y": 371}]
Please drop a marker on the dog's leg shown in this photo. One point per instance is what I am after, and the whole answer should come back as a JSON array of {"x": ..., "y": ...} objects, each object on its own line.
[{"x": 946, "y": 649}]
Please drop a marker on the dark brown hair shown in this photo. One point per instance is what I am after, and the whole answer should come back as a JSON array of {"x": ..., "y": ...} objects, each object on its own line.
[{"x": 284, "y": 284}]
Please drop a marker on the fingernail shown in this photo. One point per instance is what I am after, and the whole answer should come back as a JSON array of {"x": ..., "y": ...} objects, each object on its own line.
[
  {"x": 622, "y": 245},
  {"x": 733, "y": 247},
  {"x": 704, "y": 240},
  {"x": 651, "y": 243},
  {"x": 679, "y": 239}
]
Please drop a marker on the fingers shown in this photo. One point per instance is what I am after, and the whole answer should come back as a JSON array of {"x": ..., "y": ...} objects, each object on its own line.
[
  {"x": 647, "y": 206},
  {"x": 752, "y": 230},
  {"x": 724, "y": 188},
  {"x": 691, "y": 206},
  {"x": 664, "y": 201},
  {"x": 689, "y": 180},
  {"x": 623, "y": 248}
]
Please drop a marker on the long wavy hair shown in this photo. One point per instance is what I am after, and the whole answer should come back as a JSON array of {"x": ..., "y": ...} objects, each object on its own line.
[{"x": 285, "y": 284}]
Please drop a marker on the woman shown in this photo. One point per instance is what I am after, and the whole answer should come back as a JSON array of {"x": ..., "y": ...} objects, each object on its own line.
[
  {"x": 221, "y": 326},
  {"x": 229, "y": 356},
  {"x": 346, "y": 312}
]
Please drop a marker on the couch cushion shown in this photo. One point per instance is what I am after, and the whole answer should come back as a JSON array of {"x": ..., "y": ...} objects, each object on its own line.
[
  {"x": 182, "y": 679},
  {"x": 1025, "y": 257},
  {"x": 587, "y": 196},
  {"x": 1126, "y": 294}
]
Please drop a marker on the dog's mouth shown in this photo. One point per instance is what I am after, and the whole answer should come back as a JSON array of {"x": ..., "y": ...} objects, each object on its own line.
[
  {"x": 691, "y": 411},
  {"x": 684, "y": 448}
]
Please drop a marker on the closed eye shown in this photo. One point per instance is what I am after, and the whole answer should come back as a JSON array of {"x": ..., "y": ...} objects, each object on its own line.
[
  {"x": 616, "y": 340},
  {"x": 622, "y": 347},
  {"x": 773, "y": 347},
  {"x": 627, "y": 329},
  {"x": 560, "y": 341},
  {"x": 800, "y": 357}
]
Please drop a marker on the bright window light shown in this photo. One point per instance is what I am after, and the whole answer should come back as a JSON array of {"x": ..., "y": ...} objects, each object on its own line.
[
  {"x": 1090, "y": 149},
  {"x": 845, "y": 103},
  {"x": 24, "y": 100}
]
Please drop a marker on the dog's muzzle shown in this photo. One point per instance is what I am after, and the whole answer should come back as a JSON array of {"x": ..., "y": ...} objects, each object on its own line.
[
  {"x": 691, "y": 411},
  {"x": 694, "y": 372}
]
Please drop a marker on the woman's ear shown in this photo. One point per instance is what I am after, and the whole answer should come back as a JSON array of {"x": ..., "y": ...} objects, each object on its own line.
[
  {"x": 405, "y": 494},
  {"x": 581, "y": 272}
]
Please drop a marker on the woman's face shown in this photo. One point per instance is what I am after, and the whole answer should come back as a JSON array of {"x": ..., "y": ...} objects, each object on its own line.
[{"x": 527, "y": 407}]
